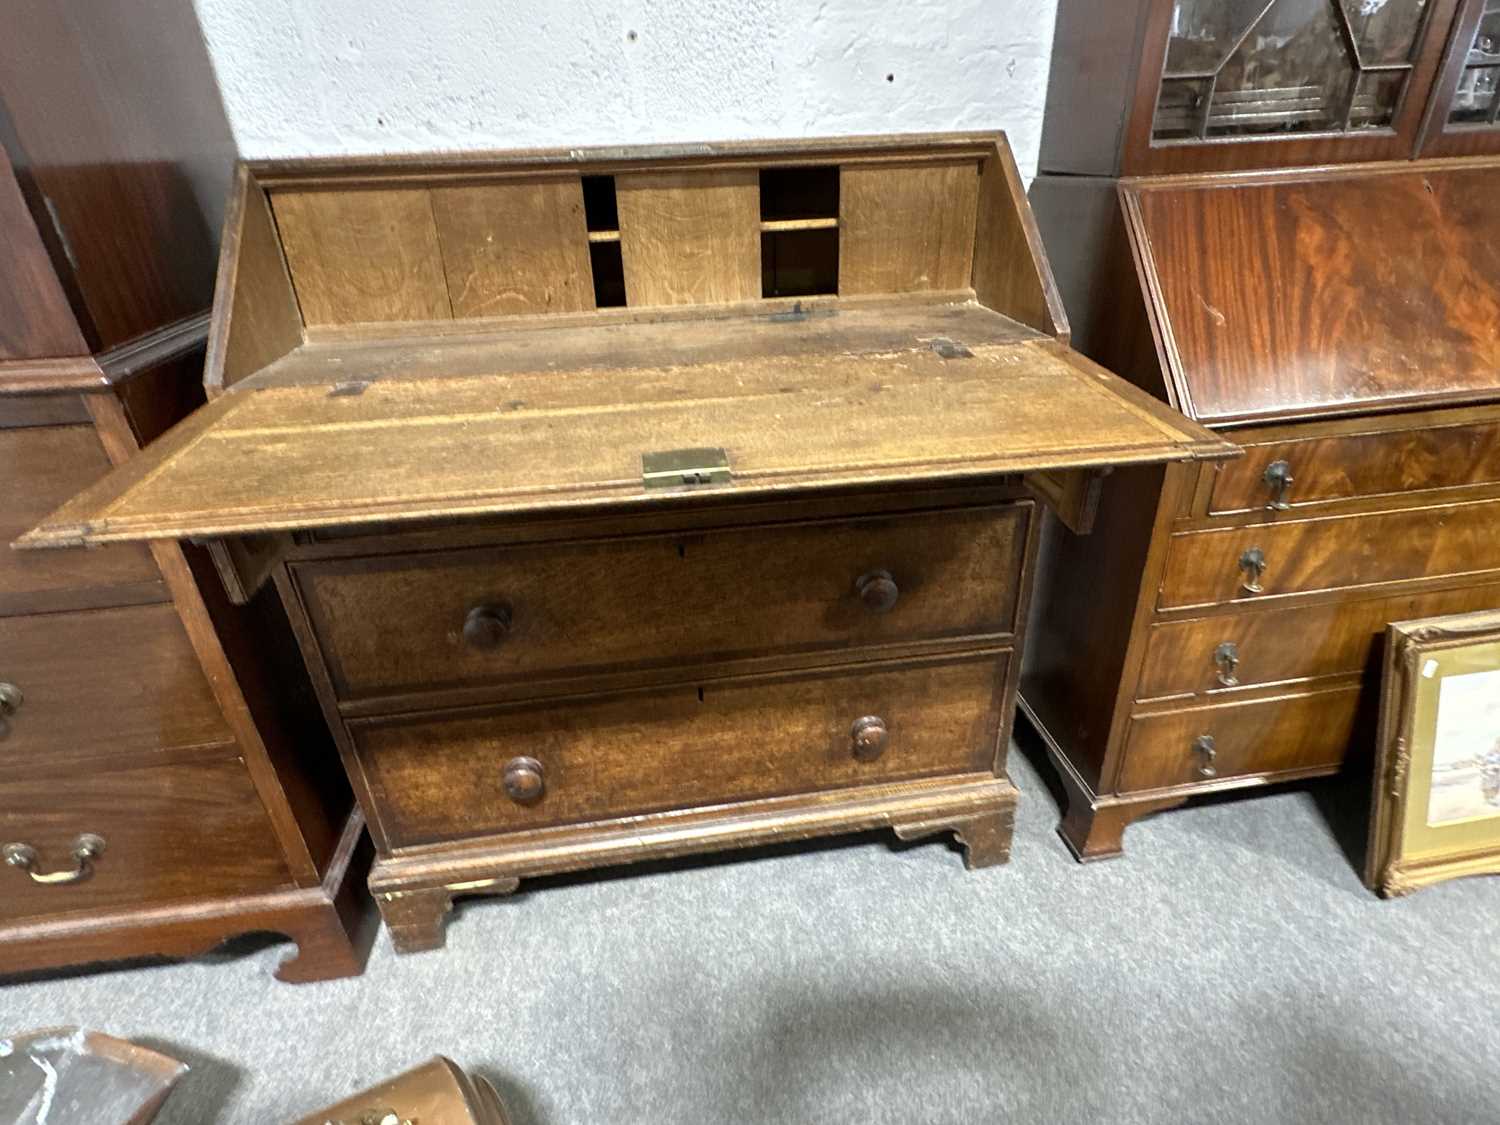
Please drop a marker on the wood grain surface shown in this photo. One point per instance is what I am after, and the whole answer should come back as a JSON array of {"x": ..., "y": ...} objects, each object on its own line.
[
  {"x": 43, "y": 467},
  {"x": 1334, "y": 553},
  {"x": 690, "y": 238},
  {"x": 1392, "y": 458},
  {"x": 1294, "y": 732},
  {"x": 675, "y": 748},
  {"x": 300, "y": 457},
  {"x": 392, "y": 623},
  {"x": 172, "y": 832},
  {"x": 140, "y": 690},
  {"x": 360, "y": 256},
  {"x": 511, "y": 248},
  {"x": 1371, "y": 289},
  {"x": 1282, "y": 646},
  {"x": 905, "y": 229}
]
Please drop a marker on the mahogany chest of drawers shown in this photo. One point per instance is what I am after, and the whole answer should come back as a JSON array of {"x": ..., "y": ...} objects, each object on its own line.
[
  {"x": 154, "y": 793},
  {"x": 630, "y": 504},
  {"x": 1341, "y": 326}
]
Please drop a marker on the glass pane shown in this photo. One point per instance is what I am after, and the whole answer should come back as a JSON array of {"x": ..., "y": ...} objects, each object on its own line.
[
  {"x": 1204, "y": 33},
  {"x": 1375, "y": 99},
  {"x": 1486, "y": 46},
  {"x": 1292, "y": 74},
  {"x": 1385, "y": 31},
  {"x": 1474, "y": 101},
  {"x": 1179, "y": 109}
]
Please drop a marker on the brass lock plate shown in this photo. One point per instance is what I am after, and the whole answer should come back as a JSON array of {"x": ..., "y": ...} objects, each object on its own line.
[{"x": 685, "y": 468}]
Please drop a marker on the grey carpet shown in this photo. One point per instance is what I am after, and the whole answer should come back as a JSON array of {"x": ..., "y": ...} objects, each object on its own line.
[{"x": 1230, "y": 969}]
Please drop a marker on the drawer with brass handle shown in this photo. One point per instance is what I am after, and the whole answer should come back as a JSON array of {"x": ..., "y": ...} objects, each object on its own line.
[
  {"x": 1258, "y": 561},
  {"x": 115, "y": 838},
  {"x": 1342, "y": 465},
  {"x": 1201, "y": 745},
  {"x": 391, "y": 624},
  {"x": 585, "y": 759},
  {"x": 1258, "y": 646}
]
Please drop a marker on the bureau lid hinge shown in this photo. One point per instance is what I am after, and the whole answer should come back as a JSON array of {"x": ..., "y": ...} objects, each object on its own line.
[{"x": 685, "y": 468}]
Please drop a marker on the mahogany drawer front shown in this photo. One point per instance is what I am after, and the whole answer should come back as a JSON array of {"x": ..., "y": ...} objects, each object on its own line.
[
  {"x": 1343, "y": 466},
  {"x": 1337, "y": 552},
  {"x": 392, "y": 623},
  {"x": 1265, "y": 646},
  {"x": 103, "y": 682},
  {"x": 1296, "y": 732},
  {"x": 437, "y": 777},
  {"x": 170, "y": 832},
  {"x": 42, "y": 467}
]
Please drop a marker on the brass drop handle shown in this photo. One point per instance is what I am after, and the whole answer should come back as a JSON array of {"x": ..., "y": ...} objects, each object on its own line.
[
  {"x": 878, "y": 590},
  {"x": 1227, "y": 659},
  {"x": 870, "y": 736},
  {"x": 1253, "y": 563},
  {"x": 525, "y": 780},
  {"x": 1278, "y": 475},
  {"x": 1204, "y": 744},
  {"x": 486, "y": 626},
  {"x": 86, "y": 849}
]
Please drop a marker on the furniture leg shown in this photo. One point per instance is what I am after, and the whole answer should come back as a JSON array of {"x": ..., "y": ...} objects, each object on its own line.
[{"x": 985, "y": 838}]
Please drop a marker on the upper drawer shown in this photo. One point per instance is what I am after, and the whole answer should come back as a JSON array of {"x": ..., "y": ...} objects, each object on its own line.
[
  {"x": 1204, "y": 745},
  {"x": 170, "y": 832},
  {"x": 1339, "y": 467},
  {"x": 399, "y": 622},
  {"x": 1257, "y": 646},
  {"x": 103, "y": 682},
  {"x": 1226, "y": 564},
  {"x": 43, "y": 467},
  {"x": 442, "y": 776}
]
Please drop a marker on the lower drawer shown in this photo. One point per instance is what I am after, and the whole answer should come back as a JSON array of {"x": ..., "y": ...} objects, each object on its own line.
[
  {"x": 1299, "y": 556},
  {"x": 1288, "y": 733},
  {"x": 439, "y": 777},
  {"x": 103, "y": 682},
  {"x": 1260, "y": 646},
  {"x": 170, "y": 832}
]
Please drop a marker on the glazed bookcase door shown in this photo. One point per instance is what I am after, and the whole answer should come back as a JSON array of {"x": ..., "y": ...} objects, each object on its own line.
[
  {"x": 1257, "y": 83},
  {"x": 1463, "y": 118}
]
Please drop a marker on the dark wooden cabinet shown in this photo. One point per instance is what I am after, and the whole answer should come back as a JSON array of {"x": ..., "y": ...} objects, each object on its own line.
[
  {"x": 161, "y": 785},
  {"x": 1145, "y": 87},
  {"x": 628, "y": 504},
  {"x": 1340, "y": 324}
]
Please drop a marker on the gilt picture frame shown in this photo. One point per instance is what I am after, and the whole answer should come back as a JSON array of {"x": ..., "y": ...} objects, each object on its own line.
[{"x": 1436, "y": 801}]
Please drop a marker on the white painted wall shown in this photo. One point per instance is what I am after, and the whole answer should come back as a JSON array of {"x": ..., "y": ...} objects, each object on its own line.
[{"x": 323, "y": 77}]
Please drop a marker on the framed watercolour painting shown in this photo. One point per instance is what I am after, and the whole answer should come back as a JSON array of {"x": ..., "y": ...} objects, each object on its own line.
[{"x": 1436, "y": 809}]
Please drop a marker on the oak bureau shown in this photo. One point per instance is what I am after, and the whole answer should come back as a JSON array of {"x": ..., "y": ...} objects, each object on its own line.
[{"x": 629, "y": 503}]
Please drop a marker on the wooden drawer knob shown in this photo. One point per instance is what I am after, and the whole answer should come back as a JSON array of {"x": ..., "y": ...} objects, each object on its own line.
[
  {"x": 870, "y": 736},
  {"x": 86, "y": 849},
  {"x": 878, "y": 590},
  {"x": 524, "y": 780},
  {"x": 486, "y": 626},
  {"x": 10, "y": 703}
]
